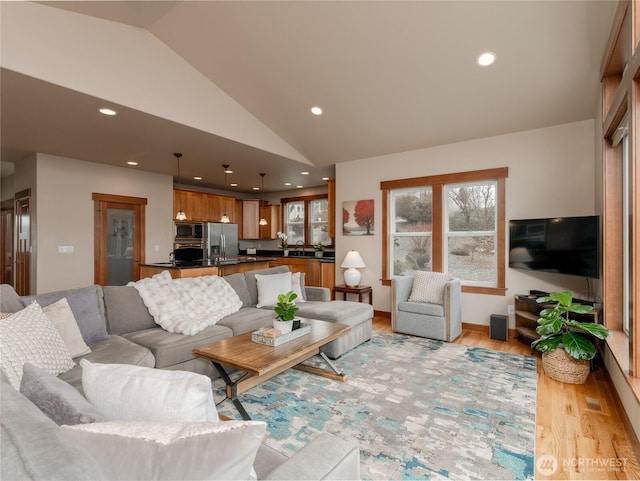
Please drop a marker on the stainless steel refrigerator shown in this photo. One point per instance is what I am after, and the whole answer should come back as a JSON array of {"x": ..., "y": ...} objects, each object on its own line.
[{"x": 221, "y": 241}]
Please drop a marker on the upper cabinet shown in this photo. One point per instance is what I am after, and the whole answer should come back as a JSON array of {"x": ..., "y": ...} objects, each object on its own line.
[
  {"x": 271, "y": 213},
  {"x": 250, "y": 219},
  {"x": 201, "y": 206}
]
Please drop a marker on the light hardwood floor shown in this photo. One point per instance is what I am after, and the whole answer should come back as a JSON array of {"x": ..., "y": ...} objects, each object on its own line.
[{"x": 583, "y": 427}]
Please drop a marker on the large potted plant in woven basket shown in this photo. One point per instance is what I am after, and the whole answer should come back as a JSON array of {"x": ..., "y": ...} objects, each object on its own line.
[{"x": 566, "y": 352}]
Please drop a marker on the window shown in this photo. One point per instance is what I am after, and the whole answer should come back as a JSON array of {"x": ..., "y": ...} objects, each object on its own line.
[
  {"x": 470, "y": 232},
  {"x": 451, "y": 223},
  {"x": 306, "y": 220}
]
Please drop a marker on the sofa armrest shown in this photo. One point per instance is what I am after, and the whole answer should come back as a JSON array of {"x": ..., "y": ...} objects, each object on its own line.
[
  {"x": 325, "y": 457},
  {"x": 322, "y": 294},
  {"x": 400, "y": 291}
]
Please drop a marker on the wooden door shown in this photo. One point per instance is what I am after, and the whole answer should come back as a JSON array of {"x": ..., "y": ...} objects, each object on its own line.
[
  {"x": 6, "y": 243},
  {"x": 22, "y": 236},
  {"x": 119, "y": 238}
]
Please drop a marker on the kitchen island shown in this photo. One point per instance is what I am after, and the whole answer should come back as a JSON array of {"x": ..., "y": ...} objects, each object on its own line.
[{"x": 179, "y": 270}]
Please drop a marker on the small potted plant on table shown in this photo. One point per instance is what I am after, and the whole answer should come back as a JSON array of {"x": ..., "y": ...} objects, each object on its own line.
[
  {"x": 565, "y": 352},
  {"x": 285, "y": 310}
]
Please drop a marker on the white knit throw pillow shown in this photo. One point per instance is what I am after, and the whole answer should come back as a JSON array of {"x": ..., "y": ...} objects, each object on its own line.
[
  {"x": 429, "y": 287},
  {"x": 29, "y": 336}
]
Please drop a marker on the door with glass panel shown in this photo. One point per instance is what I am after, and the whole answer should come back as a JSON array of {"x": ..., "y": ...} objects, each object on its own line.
[{"x": 119, "y": 239}]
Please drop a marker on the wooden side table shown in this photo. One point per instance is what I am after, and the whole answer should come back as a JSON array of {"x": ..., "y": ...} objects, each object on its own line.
[{"x": 359, "y": 290}]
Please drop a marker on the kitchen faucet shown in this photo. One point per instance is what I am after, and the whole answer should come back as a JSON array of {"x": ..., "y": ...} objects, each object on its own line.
[{"x": 301, "y": 243}]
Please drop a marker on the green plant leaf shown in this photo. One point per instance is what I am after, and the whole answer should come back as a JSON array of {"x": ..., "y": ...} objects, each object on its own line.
[
  {"x": 562, "y": 298},
  {"x": 547, "y": 343},
  {"x": 578, "y": 347},
  {"x": 595, "y": 330},
  {"x": 579, "y": 308},
  {"x": 551, "y": 326}
]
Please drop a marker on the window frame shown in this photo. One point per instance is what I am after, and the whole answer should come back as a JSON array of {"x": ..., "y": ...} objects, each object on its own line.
[
  {"x": 306, "y": 199},
  {"x": 437, "y": 183}
]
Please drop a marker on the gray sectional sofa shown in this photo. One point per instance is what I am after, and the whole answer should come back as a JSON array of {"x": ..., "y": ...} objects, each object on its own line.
[
  {"x": 134, "y": 337},
  {"x": 33, "y": 446}
]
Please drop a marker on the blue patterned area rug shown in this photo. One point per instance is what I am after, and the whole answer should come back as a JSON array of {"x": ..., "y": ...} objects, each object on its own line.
[{"x": 418, "y": 409}]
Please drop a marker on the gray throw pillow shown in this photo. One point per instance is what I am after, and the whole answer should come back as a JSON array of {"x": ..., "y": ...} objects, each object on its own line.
[
  {"x": 61, "y": 402},
  {"x": 84, "y": 305},
  {"x": 9, "y": 301}
]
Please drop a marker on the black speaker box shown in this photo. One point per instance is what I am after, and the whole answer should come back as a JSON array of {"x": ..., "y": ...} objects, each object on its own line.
[{"x": 499, "y": 327}]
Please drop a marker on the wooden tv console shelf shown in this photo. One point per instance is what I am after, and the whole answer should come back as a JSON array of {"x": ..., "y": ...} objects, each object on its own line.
[{"x": 527, "y": 313}]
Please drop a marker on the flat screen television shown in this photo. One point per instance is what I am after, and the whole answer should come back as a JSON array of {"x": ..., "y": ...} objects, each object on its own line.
[{"x": 563, "y": 245}]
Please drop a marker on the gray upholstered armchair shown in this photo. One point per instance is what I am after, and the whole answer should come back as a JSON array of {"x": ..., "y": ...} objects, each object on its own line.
[{"x": 441, "y": 321}]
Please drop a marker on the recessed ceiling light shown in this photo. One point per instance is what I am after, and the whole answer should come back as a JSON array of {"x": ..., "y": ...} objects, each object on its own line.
[
  {"x": 256, "y": 188},
  {"x": 197, "y": 177},
  {"x": 298, "y": 186},
  {"x": 304, "y": 173},
  {"x": 233, "y": 184},
  {"x": 325, "y": 178},
  {"x": 107, "y": 111},
  {"x": 316, "y": 110},
  {"x": 228, "y": 171},
  {"x": 132, "y": 162},
  {"x": 487, "y": 58},
  {"x": 287, "y": 183}
]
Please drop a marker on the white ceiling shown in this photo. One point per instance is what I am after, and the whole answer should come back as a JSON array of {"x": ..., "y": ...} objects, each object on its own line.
[{"x": 391, "y": 76}]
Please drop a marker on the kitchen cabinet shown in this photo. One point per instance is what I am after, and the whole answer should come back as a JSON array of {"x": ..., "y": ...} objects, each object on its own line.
[
  {"x": 320, "y": 273},
  {"x": 250, "y": 219},
  {"x": 203, "y": 206},
  {"x": 239, "y": 218},
  {"x": 189, "y": 201},
  {"x": 148, "y": 270},
  {"x": 331, "y": 207},
  {"x": 219, "y": 205},
  {"x": 272, "y": 215},
  {"x": 317, "y": 273}
]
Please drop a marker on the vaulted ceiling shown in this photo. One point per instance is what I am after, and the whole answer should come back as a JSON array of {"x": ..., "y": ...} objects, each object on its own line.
[{"x": 390, "y": 76}]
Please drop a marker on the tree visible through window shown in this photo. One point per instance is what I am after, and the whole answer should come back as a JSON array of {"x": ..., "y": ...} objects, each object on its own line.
[{"x": 447, "y": 223}]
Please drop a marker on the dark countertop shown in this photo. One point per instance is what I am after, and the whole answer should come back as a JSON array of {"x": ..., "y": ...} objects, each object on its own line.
[
  {"x": 328, "y": 256},
  {"x": 211, "y": 263}
]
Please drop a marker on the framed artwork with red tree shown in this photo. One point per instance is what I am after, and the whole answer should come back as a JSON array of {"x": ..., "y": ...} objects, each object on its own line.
[{"x": 357, "y": 217}]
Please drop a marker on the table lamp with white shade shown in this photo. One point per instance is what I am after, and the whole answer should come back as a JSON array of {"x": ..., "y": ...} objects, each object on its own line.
[{"x": 352, "y": 262}]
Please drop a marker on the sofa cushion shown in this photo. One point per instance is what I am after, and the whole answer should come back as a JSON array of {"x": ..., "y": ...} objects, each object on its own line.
[
  {"x": 239, "y": 284},
  {"x": 252, "y": 284},
  {"x": 344, "y": 312},
  {"x": 171, "y": 348},
  {"x": 9, "y": 300},
  {"x": 270, "y": 286},
  {"x": 34, "y": 447},
  {"x": 248, "y": 319},
  {"x": 125, "y": 310},
  {"x": 429, "y": 287},
  {"x": 113, "y": 349},
  {"x": 122, "y": 392},
  {"x": 56, "y": 398},
  {"x": 28, "y": 336},
  {"x": 422, "y": 308},
  {"x": 192, "y": 451},
  {"x": 61, "y": 316},
  {"x": 84, "y": 303}
]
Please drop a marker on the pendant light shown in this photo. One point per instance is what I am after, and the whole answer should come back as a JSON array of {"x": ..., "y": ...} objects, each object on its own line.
[
  {"x": 225, "y": 219},
  {"x": 263, "y": 221},
  {"x": 180, "y": 215}
]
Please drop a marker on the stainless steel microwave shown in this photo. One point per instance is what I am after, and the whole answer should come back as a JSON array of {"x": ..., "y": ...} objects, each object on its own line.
[{"x": 188, "y": 231}]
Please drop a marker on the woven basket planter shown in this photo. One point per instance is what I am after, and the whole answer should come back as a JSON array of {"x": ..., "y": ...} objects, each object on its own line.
[{"x": 559, "y": 366}]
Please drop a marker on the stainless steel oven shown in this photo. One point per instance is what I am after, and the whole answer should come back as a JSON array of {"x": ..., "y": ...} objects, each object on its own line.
[
  {"x": 188, "y": 232},
  {"x": 188, "y": 252}
]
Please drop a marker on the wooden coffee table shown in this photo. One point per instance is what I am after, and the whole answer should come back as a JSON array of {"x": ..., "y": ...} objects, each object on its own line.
[{"x": 260, "y": 362}]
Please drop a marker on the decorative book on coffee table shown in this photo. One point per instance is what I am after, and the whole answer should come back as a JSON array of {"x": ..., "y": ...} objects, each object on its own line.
[{"x": 263, "y": 335}]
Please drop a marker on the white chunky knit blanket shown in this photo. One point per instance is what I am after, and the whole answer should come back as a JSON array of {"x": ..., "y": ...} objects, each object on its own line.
[{"x": 187, "y": 306}]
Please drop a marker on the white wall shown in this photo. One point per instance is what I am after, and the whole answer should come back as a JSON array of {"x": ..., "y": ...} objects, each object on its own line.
[
  {"x": 56, "y": 45},
  {"x": 65, "y": 216},
  {"x": 551, "y": 173}
]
